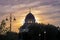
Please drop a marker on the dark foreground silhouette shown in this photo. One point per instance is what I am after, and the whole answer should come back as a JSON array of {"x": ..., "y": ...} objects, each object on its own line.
[
  {"x": 41, "y": 32},
  {"x": 9, "y": 36},
  {"x": 36, "y": 32}
]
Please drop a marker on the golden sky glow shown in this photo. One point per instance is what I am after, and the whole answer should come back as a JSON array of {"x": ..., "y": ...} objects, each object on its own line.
[{"x": 20, "y": 18}]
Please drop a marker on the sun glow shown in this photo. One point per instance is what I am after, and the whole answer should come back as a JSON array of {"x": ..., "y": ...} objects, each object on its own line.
[
  {"x": 17, "y": 24},
  {"x": 37, "y": 16},
  {"x": 20, "y": 18},
  {"x": 38, "y": 20}
]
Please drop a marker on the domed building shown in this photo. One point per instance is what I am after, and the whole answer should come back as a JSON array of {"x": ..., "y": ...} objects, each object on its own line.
[{"x": 30, "y": 19}]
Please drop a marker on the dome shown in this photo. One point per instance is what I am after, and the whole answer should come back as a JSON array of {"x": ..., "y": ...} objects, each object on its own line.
[{"x": 30, "y": 17}]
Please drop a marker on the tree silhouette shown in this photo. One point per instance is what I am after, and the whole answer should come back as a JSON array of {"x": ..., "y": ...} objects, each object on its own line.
[
  {"x": 3, "y": 23},
  {"x": 2, "y": 26},
  {"x": 40, "y": 32}
]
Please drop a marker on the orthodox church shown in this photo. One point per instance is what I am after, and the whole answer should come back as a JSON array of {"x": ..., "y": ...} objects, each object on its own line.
[{"x": 30, "y": 19}]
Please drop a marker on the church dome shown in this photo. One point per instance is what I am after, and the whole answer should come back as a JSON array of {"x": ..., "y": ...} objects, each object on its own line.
[{"x": 30, "y": 17}]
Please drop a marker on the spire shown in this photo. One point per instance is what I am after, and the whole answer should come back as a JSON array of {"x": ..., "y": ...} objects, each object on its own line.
[{"x": 29, "y": 10}]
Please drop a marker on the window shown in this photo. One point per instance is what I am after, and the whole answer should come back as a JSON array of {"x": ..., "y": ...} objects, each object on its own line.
[{"x": 29, "y": 21}]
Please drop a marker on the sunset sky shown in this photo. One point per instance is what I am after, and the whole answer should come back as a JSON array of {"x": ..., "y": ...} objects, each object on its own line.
[{"x": 45, "y": 11}]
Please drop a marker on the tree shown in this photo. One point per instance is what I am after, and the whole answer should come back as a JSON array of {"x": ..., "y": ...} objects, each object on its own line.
[
  {"x": 2, "y": 26},
  {"x": 40, "y": 32}
]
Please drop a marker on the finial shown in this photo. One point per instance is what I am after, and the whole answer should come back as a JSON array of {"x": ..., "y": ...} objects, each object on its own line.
[{"x": 29, "y": 10}]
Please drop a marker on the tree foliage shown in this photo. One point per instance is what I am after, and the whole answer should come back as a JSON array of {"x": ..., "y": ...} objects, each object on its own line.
[{"x": 38, "y": 29}]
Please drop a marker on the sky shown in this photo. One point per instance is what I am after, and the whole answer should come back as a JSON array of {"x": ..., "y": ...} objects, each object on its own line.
[{"x": 45, "y": 11}]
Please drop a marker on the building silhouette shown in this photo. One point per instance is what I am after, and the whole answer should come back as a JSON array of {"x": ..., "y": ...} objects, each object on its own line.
[
  {"x": 31, "y": 30},
  {"x": 30, "y": 19}
]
